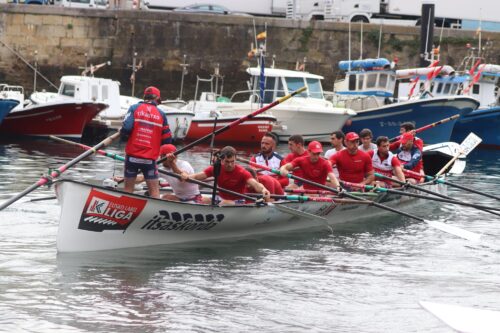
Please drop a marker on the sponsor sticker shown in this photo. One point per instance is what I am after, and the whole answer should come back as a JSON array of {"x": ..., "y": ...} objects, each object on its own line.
[{"x": 108, "y": 212}]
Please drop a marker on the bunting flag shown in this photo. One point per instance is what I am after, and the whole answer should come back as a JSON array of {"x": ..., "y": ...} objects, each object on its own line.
[
  {"x": 262, "y": 35},
  {"x": 474, "y": 80}
]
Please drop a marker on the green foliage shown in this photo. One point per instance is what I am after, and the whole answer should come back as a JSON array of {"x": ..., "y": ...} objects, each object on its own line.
[
  {"x": 304, "y": 39},
  {"x": 69, "y": 26}
]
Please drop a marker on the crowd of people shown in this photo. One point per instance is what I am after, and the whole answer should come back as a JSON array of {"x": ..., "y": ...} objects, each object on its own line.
[{"x": 353, "y": 162}]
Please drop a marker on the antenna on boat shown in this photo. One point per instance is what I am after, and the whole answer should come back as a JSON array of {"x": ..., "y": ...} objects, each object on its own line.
[
  {"x": 479, "y": 31},
  {"x": 380, "y": 38},
  {"x": 349, "y": 47},
  {"x": 184, "y": 67},
  {"x": 274, "y": 61},
  {"x": 135, "y": 68},
  {"x": 36, "y": 70}
]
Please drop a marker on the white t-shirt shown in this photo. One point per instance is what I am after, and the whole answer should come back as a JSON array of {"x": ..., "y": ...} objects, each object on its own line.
[
  {"x": 183, "y": 190},
  {"x": 372, "y": 147},
  {"x": 329, "y": 153}
]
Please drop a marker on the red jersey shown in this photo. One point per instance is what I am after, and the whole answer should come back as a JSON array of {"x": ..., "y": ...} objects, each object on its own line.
[
  {"x": 315, "y": 172},
  {"x": 271, "y": 184},
  {"x": 290, "y": 157},
  {"x": 273, "y": 162},
  {"x": 235, "y": 180},
  {"x": 417, "y": 142},
  {"x": 148, "y": 129},
  {"x": 352, "y": 168}
]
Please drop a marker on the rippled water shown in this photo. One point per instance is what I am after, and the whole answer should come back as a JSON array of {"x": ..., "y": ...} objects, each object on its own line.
[{"x": 365, "y": 277}]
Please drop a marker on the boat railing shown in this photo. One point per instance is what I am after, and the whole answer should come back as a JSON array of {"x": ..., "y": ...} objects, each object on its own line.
[
  {"x": 357, "y": 103},
  {"x": 254, "y": 96}
]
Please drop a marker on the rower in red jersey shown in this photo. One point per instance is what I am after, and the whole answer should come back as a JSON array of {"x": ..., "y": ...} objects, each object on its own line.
[
  {"x": 385, "y": 162},
  {"x": 314, "y": 167},
  {"x": 354, "y": 165},
  {"x": 407, "y": 128},
  {"x": 269, "y": 182},
  {"x": 410, "y": 156},
  {"x": 296, "y": 146}
]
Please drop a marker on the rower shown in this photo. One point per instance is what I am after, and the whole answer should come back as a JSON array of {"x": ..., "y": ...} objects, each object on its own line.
[
  {"x": 337, "y": 140},
  {"x": 314, "y": 167},
  {"x": 366, "y": 137},
  {"x": 354, "y": 165},
  {"x": 269, "y": 182},
  {"x": 296, "y": 146},
  {"x": 232, "y": 177},
  {"x": 410, "y": 156},
  {"x": 407, "y": 128},
  {"x": 385, "y": 162},
  {"x": 269, "y": 157}
]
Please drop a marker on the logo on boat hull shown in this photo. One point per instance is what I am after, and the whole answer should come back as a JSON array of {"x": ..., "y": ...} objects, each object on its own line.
[
  {"x": 108, "y": 212},
  {"x": 174, "y": 221}
]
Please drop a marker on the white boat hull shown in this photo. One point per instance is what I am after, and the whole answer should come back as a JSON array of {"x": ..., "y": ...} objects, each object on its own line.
[{"x": 95, "y": 218}]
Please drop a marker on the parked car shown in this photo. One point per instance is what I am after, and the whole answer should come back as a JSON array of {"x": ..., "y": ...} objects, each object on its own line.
[
  {"x": 208, "y": 9},
  {"x": 99, "y": 4}
]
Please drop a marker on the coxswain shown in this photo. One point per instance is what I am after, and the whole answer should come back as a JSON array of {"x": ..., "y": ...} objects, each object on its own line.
[
  {"x": 145, "y": 128},
  {"x": 354, "y": 165},
  {"x": 410, "y": 155},
  {"x": 269, "y": 157},
  {"x": 385, "y": 162},
  {"x": 232, "y": 177},
  {"x": 366, "y": 137},
  {"x": 314, "y": 167},
  {"x": 296, "y": 147}
]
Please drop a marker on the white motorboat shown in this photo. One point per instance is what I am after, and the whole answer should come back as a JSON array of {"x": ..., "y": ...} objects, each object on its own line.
[{"x": 308, "y": 114}]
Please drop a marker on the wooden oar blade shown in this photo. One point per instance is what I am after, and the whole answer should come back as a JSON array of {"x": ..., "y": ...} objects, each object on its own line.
[{"x": 459, "y": 232}]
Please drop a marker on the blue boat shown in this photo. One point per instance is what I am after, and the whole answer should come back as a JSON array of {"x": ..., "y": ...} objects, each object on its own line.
[
  {"x": 371, "y": 94},
  {"x": 6, "y": 105},
  {"x": 485, "y": 121}
]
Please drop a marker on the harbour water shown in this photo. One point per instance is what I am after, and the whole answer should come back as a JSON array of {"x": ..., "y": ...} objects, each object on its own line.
[{"x": 365, "y": 277}]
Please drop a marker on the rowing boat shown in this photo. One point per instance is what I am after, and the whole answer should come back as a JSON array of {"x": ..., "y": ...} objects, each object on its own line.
[{"x": 97, "y": 218}]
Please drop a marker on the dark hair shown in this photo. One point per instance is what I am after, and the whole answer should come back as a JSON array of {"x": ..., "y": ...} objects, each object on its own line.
[
  {"x": 272, "y": 136},
  {"x": 252, "y": 171},
  {"x": 381, "y": 139},
  {"x": 408, "y": 126},
  {"x": 296, "y": 138},
  {"x": 339, "y": 135},
  {"x": 365, "y": 132},
  {"x": 227, "y": 151}
]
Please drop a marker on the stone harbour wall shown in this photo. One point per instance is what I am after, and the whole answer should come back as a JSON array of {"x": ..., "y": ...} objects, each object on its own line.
[{"x": 61, "y": 37}]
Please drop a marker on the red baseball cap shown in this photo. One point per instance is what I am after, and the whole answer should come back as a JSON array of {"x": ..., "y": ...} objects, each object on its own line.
[
  {"x": 351, "y": 136},
  {"x": 315, "y": 147},
  {"x": 406, "y": 137},
  {"x": 167, "y": 149},
  {"x": 152, "y": 91}
]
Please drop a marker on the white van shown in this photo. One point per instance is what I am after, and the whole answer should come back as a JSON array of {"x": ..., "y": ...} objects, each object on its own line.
[{"x": 99, "y": 4}]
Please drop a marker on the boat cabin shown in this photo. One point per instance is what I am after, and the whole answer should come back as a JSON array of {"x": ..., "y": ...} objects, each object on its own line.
[
  {"x": 13, "y": 92},
  {"x": 281, "y": 82}
]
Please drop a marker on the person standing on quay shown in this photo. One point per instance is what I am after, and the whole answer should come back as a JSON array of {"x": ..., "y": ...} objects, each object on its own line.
[{"x": 146, "y": 129}]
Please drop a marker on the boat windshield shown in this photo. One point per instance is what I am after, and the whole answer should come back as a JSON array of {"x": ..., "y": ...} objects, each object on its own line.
[
  {"x": 314, "y": 88},
  {"x": 294, "y": 83},
  {"x": 68, "y": 90}
]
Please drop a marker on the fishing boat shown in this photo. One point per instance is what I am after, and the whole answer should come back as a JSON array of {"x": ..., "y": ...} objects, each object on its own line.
[
  {"x": 107, "y": 91},
  {"x": 6, "y": 105},
  {"x": 61, "y": 118},
  {"x": 436, "y": 156},
  {"x": 368, "y": 89},
  {"x": 97, "y": 218},
  {"x": 308, "y": 113}
]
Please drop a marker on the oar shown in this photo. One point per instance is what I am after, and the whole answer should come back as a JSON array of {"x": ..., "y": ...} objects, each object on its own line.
[
  {"x": 235, "y": 123},
  {"x": 281, "y": 208},
  {"x": 440, "y": 197},
  {"x": 426, "y": 127},
  {"x": 469, "y": 143},
  {"x": 56, "y": 173},
  {"x": 443, "y": 181},
  {"x": 438, "y": 225}
]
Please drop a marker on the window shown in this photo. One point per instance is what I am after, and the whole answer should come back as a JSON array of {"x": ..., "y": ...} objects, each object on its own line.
[
  {"x": 94, "y": 93},
  {"x": 453, "y": 89},
  {"x": 446, "y": 88},
  {"x": 439, "y": 88},
  {"x": 361, "y": 80},
  {"x": 294, "y": 83},
  {"x": 280, "y": 90},
  {"x": 371, "y": 80},
  {"x": 352, "y": 82},
  {"x": 314, "y": 88},
  {"x": 475, "y": 89},
  {"x": 382, "y": 81},
  {"x": 68, "y": 90},
  {"x": 269, "y": 89}
]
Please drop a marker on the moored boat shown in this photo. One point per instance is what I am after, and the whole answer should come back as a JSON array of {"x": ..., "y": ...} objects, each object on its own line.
[
  {"x": 6, "y": 105},
  {"x": 97, "y": 218}
]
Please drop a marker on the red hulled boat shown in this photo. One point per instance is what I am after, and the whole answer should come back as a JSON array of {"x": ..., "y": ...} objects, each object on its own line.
[
  {"x": 65, "y": 119},
  {"x": 250, "y": 131}
]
